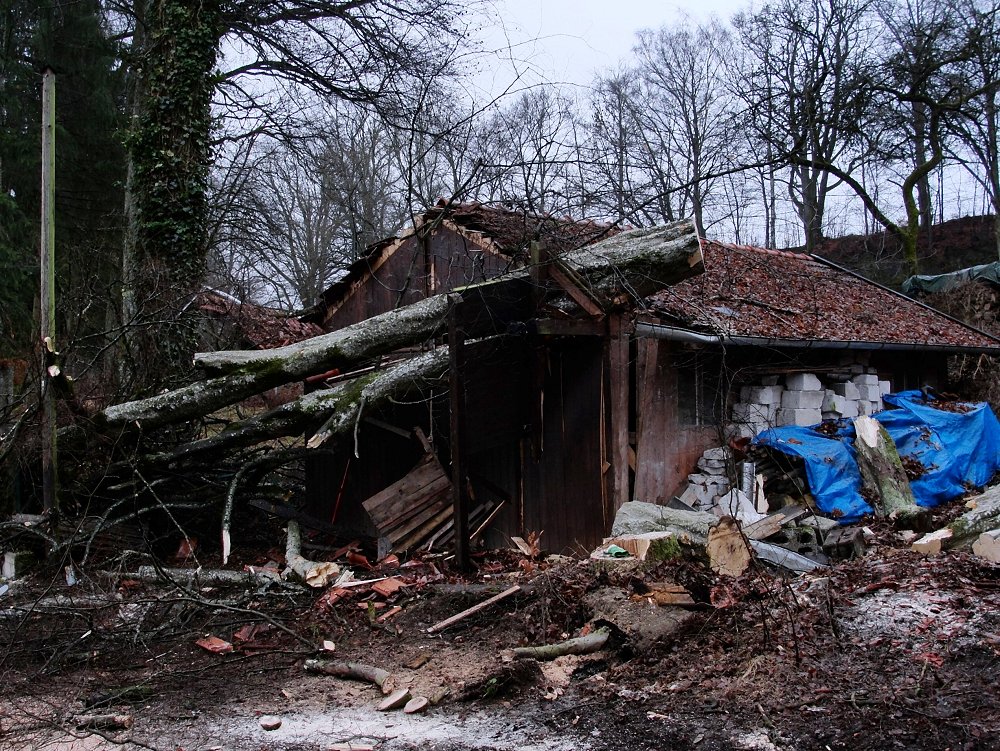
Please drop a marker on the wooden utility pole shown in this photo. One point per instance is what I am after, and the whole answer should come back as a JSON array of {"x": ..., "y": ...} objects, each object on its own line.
[{"x": 48, "y": 294}]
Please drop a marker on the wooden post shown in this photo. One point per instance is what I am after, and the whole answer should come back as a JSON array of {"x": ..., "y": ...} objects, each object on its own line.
[
  {"x": 618, "y": 402},
  {"x": 48, "y": 295},
  {"x": 456, "y": 351}
]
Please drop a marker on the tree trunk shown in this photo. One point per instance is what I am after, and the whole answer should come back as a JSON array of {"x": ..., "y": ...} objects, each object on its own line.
[
  {"x": 663, "y": 533},
  {"x": 884, "y": 475},
  {"x": 633, "y": 264}
]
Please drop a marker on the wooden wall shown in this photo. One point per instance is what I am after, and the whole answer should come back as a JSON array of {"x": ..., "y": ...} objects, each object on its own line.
[
  {"x": 666, "y": 451},
  {"x": 417, "y": 268}
]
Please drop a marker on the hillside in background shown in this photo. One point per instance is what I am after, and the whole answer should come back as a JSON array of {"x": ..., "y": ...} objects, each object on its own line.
[{"x": 950, "y": 246}]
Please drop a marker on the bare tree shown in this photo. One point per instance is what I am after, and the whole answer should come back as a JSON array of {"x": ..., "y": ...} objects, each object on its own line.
[
  {"x": 686, "y": 112},
  {"x": 804, "y": 92},
  {"x": 978, "y": 130}
]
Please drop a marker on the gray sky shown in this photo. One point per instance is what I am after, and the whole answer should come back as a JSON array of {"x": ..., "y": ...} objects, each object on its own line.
[{"x": 568, "y": 40}]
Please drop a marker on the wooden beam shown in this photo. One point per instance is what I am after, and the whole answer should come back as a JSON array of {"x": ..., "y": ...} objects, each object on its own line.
[
  {"x": 456, "y": 348},
  {"x": 50, "y": 501},
  {"x": 618, "y": 370},
  {"x": 577, "y": 293}
]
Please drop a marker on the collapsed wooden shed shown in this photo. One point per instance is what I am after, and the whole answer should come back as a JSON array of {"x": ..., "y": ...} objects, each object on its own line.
[{"x": 567, "y": 412}]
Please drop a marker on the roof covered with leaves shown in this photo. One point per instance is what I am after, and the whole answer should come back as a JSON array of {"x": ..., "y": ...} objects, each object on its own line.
[{"x": 772, "y": 294}]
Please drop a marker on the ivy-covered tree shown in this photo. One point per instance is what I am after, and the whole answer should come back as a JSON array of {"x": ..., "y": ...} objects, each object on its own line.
[{"x": 368, "y": 52}]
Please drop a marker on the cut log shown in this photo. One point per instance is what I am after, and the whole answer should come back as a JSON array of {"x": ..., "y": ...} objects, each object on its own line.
[
  {"x": 983, "y": 516},
  {"x": 581, "y": 645},
  {"x": 933, "y": 542},
  {"x": 416, "y": 705},
  {"x": 314, "y": 573},
  {"x": 667, "y": 533},
  {"x": 638, "y": 263},
  {"x": 882, "y": 472},
  {"x": 988, "y": 546},
  {"x": 355, "y": 671},
  {"x": 395, "y": 700}
]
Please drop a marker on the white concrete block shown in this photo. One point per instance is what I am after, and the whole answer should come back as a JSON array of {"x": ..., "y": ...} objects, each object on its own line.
[
  {"x": 712, "y": 466},
  {"x": 719, "y": 453},
  {"x": 884, "y": 387},
  {"x": 803, "y": 417},
  {"x": 866, "y": 379},
  {"x": 761, "y": 394},
  {"x": 751, "y": 413},
  {"x": 847, "y": 390},
  {"x": 769, "y": 380},
  {"x": 870, "y": 393},
  {"x": 803, "y": 382},
  {"x": 802, "y": 399},
  {"x": 864, "y": 407},
  {"x": 857, "y": 368}
]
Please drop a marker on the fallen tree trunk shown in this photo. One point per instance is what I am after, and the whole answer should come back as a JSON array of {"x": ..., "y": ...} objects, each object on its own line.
[
  {"x": 983, "y": 517},
  {"x": 341, "y": 407},
  {"x": 664, "y": 533},
  {"x": 882, "y": 472},
  {"x": 633, "y": 263}
]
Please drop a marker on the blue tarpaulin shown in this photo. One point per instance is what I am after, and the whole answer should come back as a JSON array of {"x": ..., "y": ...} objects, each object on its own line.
[{"x": 958, "y": 449}]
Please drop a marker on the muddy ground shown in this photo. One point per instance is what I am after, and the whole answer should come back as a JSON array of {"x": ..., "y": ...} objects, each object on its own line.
[{"x": 892, "y": 650}]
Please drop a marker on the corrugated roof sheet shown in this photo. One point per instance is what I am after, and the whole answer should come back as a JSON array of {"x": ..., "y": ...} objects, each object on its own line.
[{"x": 771, "y": 294}]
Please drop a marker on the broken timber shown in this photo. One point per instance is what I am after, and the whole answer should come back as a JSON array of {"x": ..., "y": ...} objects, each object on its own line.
[
  {"x": 634, "y": 263},
  {"x": 442, "y": 625}
]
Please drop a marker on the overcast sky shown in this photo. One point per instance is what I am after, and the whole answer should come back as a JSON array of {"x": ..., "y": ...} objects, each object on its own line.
[{"x": 568, "y": 40}]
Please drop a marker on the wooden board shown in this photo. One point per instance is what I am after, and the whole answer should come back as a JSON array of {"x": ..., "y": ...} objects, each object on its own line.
[{"x": 412, "y": 504}]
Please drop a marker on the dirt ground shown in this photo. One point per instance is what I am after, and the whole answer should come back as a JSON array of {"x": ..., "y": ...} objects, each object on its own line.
[{"x": 892, "y": 650}]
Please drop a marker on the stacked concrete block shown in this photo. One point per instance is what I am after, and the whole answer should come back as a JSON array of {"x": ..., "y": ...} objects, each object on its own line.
[
  {"x": 805, "y": 399},
  {"x": 712, "y": 481},
  {"x": 802, "y": 400},
  {"x": 836, "y": 406}
]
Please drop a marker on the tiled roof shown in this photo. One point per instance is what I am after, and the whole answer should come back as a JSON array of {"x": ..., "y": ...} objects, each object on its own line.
[
  {"x": 771, "y": 294},
  {"x": 263, "y": 328}
]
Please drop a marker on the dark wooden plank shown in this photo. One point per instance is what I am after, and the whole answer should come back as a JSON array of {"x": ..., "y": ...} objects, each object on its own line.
[
  {"x": 569, "y": 327},
  {"x": 397, "y": 496},
  {"x": 456, "y": 342},
  {"x": 618, "y": 401}
]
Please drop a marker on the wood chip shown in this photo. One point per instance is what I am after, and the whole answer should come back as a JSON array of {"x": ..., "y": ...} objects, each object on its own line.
[
  {"x": 395, "y": 700},
  {"x": 392, "y": 612},
  {"x": 416, "y": 704}
]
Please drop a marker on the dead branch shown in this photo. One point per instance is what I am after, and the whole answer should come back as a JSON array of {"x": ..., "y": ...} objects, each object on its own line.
[
  {"x": 581, "y": 645},
  {"x": 313, "y": 573},
  {"x": 442, "y": 625},
  {"x": 355, "y": 671}
]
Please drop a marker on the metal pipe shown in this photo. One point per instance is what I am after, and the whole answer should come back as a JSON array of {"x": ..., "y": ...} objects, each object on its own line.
[{"x": 673, "y": 333}]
